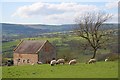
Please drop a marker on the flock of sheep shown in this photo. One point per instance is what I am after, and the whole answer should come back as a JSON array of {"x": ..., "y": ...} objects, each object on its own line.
[
  {"x": 71, "y": 62},
  {"x": 62, "y": 61}
]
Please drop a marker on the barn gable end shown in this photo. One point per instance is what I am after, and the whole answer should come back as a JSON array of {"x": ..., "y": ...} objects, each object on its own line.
[
  {"x": 30, "y": 51},
  {"x": 47, "y": 53}
]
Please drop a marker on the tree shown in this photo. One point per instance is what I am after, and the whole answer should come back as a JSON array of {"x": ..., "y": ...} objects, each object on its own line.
[{"x": 89, "y": 27}]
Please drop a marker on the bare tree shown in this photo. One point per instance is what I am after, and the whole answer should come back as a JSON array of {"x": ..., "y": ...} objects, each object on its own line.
[{"x": 89, "y": 27}]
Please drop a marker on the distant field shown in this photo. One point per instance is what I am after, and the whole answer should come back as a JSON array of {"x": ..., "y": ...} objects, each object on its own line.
[
  {"x": 62, "y": 45},
  {"x": 80, "y": 70},
  {"x": 56, "y": 41},
  {"x": 14, "y": 43}
]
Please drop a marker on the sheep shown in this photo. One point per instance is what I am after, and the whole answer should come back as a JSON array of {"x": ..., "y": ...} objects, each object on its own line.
[
  {"x": 72, "y": 62},
  {"x": 60, "y": 61},
  {"x": 39, "y": 62},
  {"x": 106, "y": 59},
  {"x": 92, "y": 61},
  {"x": 53, "y": 62}
]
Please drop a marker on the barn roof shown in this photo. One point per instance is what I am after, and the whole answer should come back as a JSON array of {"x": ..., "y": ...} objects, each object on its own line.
[{"x": 29, "y": 46}]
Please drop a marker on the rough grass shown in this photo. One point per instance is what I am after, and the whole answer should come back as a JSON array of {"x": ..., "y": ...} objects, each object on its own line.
[{"x": 80, "y": 70}]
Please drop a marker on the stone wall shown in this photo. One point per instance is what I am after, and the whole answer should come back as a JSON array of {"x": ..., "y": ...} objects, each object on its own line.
[{"x": 22, "y": 58}]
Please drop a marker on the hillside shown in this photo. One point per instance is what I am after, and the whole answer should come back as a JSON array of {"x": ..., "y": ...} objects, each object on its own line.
[
  {"x": 31, "y": 29},
  {"x": 11, "y": 32},
  {"x": 64, "y": 42},
  {"x": 41, "y": 28},
  {"x": 0, "y": 58},
  {"x": 20, "y": 29}
]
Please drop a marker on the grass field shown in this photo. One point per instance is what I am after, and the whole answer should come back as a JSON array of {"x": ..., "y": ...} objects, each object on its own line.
[
  {"x": 64, "y": 47},
  {"x": 80, "y": 70}
]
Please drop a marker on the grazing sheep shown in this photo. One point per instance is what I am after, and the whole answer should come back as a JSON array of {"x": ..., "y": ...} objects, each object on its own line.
[
  {"x": 39, "y": 62},
  {"x": 72, "y": 62},
  {"x": 92, "y": 61},
  {"x": 106, "y": 60},
  {"x": 59, "y": 61},
  {"x": 53, "y": 62}
]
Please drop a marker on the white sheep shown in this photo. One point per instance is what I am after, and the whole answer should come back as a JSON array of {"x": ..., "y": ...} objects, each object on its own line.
[
  {"x": 74, "y": 61},
  {"x": 53, "y": 62},
  {"x": 92, "y": 61},
  {"x": 39, "y": 62},
  {"x": 106, "y": 60},
  {"x": 59, "y": 61}
]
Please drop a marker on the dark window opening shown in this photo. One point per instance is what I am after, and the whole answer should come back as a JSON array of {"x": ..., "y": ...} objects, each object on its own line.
[
  {"x": 18, "y": 60},
  {"x": 28, "y": 60},
  {"x": 23, "y": 61}
]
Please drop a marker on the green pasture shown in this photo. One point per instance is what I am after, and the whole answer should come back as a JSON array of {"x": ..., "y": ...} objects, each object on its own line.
[{"x": 80, "y": 70}]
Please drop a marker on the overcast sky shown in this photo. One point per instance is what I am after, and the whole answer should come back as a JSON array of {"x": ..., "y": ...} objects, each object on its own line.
[{"x": 53, "y": 12}]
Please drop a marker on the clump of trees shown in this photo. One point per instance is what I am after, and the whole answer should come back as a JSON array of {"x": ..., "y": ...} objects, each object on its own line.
[{"x": 89, "y": 27}]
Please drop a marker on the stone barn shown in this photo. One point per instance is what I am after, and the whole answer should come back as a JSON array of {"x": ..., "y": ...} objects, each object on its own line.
[{"x": 32, "y": 51}]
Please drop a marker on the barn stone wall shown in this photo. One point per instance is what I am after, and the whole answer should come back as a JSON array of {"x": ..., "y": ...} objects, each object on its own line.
[
  {"x": 22, "y": 58},
  {"x": 47, "y": 53}
]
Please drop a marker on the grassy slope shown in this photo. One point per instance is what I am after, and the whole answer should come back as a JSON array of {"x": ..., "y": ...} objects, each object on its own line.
[
  {"x": 81, "y": 70},
  {"x": 14, "y": 43},
  {"x": 63, "y": 50},
  {"x": 0, "y": 66}
]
